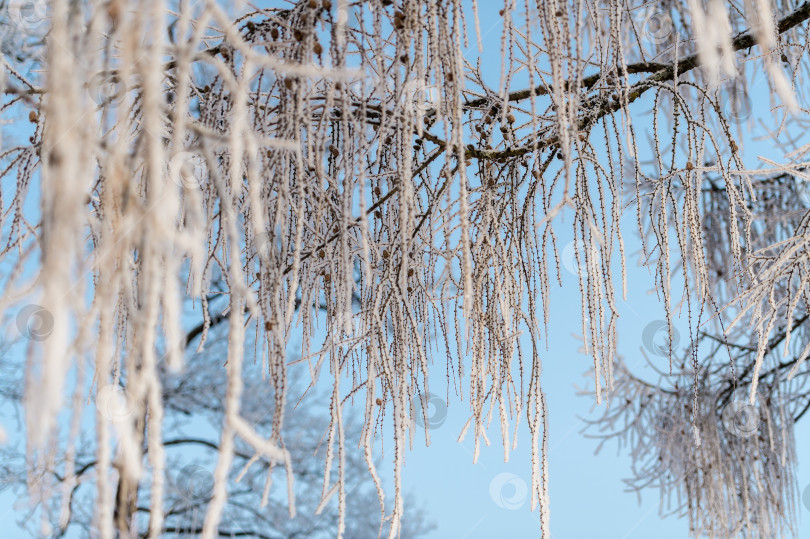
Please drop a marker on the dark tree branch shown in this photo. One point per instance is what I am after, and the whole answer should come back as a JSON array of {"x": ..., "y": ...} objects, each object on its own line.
[{"x": 663, "y": 74}]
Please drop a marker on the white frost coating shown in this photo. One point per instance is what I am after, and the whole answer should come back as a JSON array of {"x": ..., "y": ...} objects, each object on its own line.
[
  {"x": 721, "y": 29},
  {"x": 743, "y": 468},
  {"x": 130, "y": 455},
  {"x": 713, "y": 33},
  {"x": 266, "y": 448},
  {"x": 765, "y": 30},
  {"x": 66, "y": 176},
  {"x": 236, "y": 327}
]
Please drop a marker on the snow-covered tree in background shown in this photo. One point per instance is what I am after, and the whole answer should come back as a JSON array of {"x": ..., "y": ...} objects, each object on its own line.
[
  {"x": 356, "y": 155},
  {"x": 193, "y": 411},
  {"x": 740, "y": 481}
]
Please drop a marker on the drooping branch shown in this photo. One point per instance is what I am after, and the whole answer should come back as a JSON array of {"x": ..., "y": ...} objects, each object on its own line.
[{"x": 661, "y": 73}]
